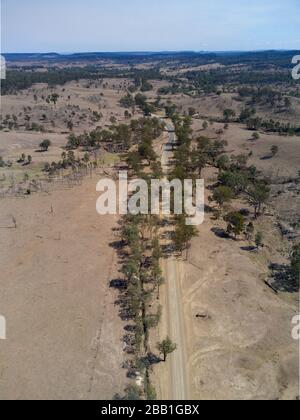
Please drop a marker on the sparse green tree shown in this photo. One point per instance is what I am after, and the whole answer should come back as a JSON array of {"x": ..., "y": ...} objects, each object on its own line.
[
  {"x": 295, "y": 263},
  {"x": 274, "y": 150},
  {"x": 236, "y": 223},
  {"x": 205, "y": 125},
  {"x": 259, "y": 239},
  {"x": 54, "y": 98},
  {"x": 134, "y": 161},
  {"x": 223, "y": 162},
  {"x": 192, "y": 111},
  {"x": 287, "y": 103},
  {"x": 132, "y": 393},
  {"x": 45, "y": 144},
  {"x": 229, "y": 113},
  {"x": 222, "y": 195},
  {"x": 86, "y": 158},
  {"x": 70, "y": 125},
  {"x": 258, "y": 194},
  {"x": 249, "y": 231},
  {"x": 151, "y": 393},
  {"x": 183, "y": 234},
  {"x": 166, "y": 347}
]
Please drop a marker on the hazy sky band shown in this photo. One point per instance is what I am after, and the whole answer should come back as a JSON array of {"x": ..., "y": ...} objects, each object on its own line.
[{"x": 138, "y": 25}]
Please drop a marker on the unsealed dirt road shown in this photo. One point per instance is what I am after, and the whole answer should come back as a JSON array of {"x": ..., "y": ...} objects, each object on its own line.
[
  {"x": 241, "y": 346},
  {"x": 173, "y": 271}
]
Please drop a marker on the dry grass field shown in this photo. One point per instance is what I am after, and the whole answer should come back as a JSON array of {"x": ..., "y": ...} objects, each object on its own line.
[
  {"x": 77, "y": 101},
  {"x": 213, "y": 106},
  {"x": 65, "y": 339},
  {"x": 237, "y": 330},
  {"x": 63, "y": 331}
]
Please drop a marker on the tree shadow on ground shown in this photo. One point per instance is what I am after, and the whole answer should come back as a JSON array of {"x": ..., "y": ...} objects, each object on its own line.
[
  {"x": 118, "y": 284},
  {"x": 117, "y": 245},
  {"x": 208, "y": 209},
  {"x": 220, "y": 233},
  {"x": 212, "y": 187},
  {"x": 282, "y": 279},
  {"x": 249, "y": 248},
  {"x": 150, "y": 359},
  {"x": 130, "y": 328},
  {"x": 167, "y": 250}
]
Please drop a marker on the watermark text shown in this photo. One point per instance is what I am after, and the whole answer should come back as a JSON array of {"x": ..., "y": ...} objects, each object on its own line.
[
  {"x": 157, "y": 197},
  {"x": 2, "y": 328},
  {"x": 296, "y": 69},
  {"x": 296, "y": 329},
  {"x": 2, "y": 67}
]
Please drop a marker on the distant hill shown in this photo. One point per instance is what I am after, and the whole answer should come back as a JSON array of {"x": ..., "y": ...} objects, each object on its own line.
[{"x": 281, "y": 58}]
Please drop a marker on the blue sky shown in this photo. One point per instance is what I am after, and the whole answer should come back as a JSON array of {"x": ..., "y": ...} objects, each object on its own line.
[{"x": 152, "y": 25}]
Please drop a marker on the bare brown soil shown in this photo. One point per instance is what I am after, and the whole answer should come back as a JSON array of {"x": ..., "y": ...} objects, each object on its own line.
[
  {"x": 238, "y": 330},
  {"x": 64, "y": 338},
  {"x": 63, "y": 330},
  {"x": 233, "y": 332}
]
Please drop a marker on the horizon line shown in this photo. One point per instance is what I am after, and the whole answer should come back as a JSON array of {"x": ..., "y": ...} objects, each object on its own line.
[{"x": 151, "y": 51}]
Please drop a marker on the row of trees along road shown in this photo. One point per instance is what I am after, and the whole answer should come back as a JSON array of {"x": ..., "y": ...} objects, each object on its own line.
[{"x": 141, "y": 253}]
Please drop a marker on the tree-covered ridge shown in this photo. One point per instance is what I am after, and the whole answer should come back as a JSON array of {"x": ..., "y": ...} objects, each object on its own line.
[{"x": 259, "y": 68}]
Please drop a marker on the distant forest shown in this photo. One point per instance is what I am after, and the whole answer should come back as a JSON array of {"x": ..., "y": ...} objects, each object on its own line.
[
  {"x": 278, "y": 58},
  {"x": 277, "y": 62}
]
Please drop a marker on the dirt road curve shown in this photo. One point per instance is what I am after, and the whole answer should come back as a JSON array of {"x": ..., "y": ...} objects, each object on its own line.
[{"x": 173, "y": 272}]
